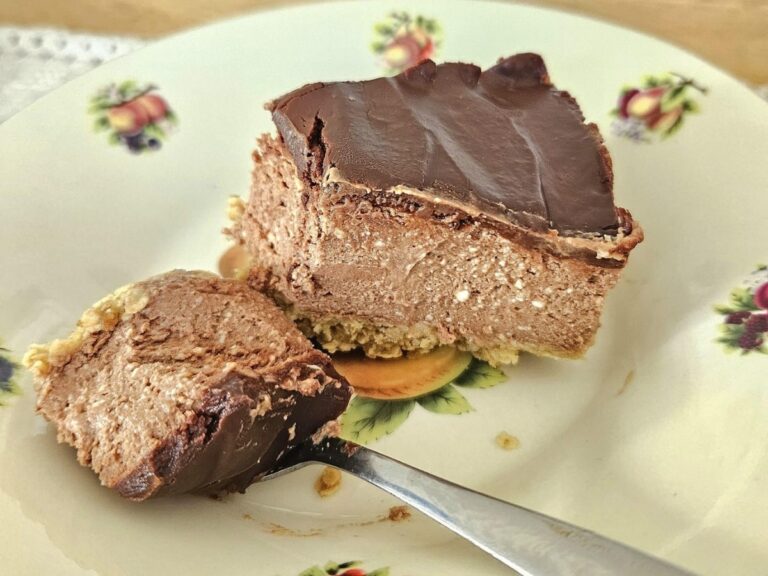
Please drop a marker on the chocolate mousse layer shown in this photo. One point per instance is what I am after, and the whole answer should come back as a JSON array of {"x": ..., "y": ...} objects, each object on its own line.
[
  {"x": 503, "y": 141},
  {"x": 443, "y": 206},
  {"x": 185, "y": 382}
]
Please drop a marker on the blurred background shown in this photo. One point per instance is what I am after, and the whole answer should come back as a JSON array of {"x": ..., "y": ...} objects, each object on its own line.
[{"x": 45, "y": 42}]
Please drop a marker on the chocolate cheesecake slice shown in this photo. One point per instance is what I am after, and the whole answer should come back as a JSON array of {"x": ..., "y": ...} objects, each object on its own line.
[
  {"x": 184, "y": 382},
  {"x": 445, "y": 205}
]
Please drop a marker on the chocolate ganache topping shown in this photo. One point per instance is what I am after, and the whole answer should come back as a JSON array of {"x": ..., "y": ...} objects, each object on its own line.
[{"x": 503, "y": 141}]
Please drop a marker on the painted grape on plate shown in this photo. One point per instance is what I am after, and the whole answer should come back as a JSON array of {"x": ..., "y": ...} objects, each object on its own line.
[{"x": 745, "y": 318}]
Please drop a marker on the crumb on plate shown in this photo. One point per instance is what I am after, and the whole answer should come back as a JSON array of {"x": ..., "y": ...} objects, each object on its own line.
[
  {"x": 328, "y": 482},
  {"x": 507, "y": 442},
  {"x": 399, "y": 513}
]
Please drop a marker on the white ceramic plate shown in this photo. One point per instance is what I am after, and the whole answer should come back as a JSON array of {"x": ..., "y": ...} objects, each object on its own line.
[{"x": 658, "y": 438}]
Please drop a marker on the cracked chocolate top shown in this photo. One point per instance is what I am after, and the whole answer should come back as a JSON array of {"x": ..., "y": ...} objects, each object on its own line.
[{"x": 503, "y": 141}]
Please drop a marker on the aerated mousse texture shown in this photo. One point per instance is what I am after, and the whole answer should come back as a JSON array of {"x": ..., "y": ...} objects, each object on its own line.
[
  {"x": 444, "y": 205},
  {"x": 184, "y": 382}
]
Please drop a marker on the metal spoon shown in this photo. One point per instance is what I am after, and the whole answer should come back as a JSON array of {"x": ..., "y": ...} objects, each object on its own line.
[{"x": 531, "y": 543}]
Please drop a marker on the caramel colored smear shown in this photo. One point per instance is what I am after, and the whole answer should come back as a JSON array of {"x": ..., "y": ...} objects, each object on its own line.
[
  {"x": 328, "y": 482},
  {"x": 279, "y": 530},
  {"x": 627, "y": 381},
  {"x": 507, "y": 441}
]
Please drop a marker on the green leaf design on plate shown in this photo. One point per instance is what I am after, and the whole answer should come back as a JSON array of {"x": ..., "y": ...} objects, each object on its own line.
[
  {"x": 445, "y": 400},
  {"x": 367, "y": 419},
  {"x": 691, "y": 106},
  {"x": 431, "y": 27},
  {"x": 171, "y": 118},
  {"x": 651, "y": 81},
  {"x": 127, "y": 86},
  {"x": 384, "y": 29},
  {"x": 674, "y": 128},
  {"x": 99, "y": 105},
  {"x": 314, "y": 571},
  {"x": 100, "y": 124},
  {"x": 731, "y": 334},
  {"x": 480, "y": 374},
  {"x": 742, "y": 300},
  {"x": 379, "y": 572},
  {"x": 154, "y": 131}
]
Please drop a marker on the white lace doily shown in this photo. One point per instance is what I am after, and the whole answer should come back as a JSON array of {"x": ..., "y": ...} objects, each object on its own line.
[{"x": 34, "y": 61}]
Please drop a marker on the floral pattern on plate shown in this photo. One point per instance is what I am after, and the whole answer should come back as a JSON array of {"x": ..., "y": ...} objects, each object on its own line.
[
  {"x": 745, "y": 324},
  {"x": 403, "y": 40},
  {"x": 134, "y": 115},
  {"x": 352, "y": 568},
  {"x": 387, "y": 391},
  {"x": 656, "y": 107},
  {"x": 8, "y": 374}
]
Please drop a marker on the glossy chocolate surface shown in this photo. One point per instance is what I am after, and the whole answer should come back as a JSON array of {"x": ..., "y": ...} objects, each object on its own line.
[{"x": 502, "y": 141}]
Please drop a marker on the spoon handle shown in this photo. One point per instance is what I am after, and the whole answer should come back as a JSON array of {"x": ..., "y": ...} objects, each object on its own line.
[{"x": 531, "y": 543}]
